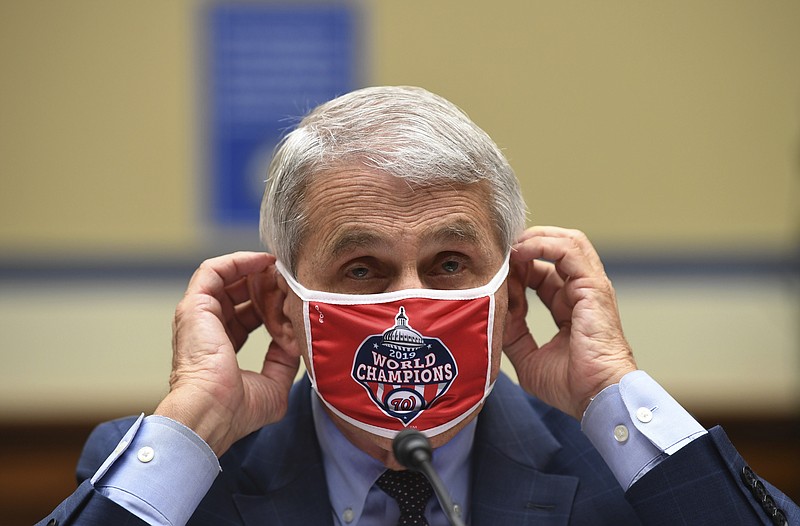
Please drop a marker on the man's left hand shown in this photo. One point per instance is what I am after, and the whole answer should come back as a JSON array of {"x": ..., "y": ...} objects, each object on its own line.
[{"x": 589, "y": 352}]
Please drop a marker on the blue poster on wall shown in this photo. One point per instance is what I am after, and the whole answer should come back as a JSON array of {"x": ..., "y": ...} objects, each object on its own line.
[{"x": 268, "y": 65}]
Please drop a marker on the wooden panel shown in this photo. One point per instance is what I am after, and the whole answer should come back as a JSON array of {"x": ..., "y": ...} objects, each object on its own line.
[{"x": 38, "y": 468}]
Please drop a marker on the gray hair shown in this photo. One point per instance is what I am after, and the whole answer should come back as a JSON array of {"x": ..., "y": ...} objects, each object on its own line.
[{"x": 406, "y": 132}]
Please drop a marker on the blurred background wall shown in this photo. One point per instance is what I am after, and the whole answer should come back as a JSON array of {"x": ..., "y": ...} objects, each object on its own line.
[{"x": 668, "y": 131}]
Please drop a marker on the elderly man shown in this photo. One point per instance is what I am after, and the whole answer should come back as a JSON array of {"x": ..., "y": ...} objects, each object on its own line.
[{"x": 398, "y": 275}]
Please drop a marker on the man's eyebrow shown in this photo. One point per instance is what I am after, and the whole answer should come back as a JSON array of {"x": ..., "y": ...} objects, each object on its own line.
[
  {"x": 352, "y": 240},
  {"x": 460, "y": 231}
]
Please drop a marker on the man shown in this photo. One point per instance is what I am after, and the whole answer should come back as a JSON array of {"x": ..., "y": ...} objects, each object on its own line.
[{"x": 398, "y": 275}]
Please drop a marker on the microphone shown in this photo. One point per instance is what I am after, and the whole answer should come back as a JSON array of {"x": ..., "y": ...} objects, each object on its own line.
[{"x": 413, "y": 450}]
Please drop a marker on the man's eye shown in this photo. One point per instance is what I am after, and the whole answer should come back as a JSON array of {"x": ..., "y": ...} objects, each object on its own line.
[
  {"x": 451, "y": 266},
  {"x": 359, "y": 272}
]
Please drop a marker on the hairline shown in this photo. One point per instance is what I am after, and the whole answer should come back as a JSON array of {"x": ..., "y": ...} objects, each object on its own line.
[{"x": 458, "y": 153}]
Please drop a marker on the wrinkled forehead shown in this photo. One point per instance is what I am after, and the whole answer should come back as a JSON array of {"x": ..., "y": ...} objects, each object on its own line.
[{"x": 348, "y": 204}]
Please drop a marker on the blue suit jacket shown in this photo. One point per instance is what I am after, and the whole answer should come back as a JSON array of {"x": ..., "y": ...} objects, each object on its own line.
[{"x": 532, "y": 465}]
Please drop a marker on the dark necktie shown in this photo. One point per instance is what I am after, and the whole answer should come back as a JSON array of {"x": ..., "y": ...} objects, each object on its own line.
[{"x": 411, "y": 490}]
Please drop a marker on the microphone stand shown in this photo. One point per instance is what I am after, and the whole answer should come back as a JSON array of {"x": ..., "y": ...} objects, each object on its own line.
[{"x": 413, "y": 450}]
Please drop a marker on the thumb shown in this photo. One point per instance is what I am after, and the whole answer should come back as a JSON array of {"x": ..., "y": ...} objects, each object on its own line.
[{"x": 267, "y": 396}]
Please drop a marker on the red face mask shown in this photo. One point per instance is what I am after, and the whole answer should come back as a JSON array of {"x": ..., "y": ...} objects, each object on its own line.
[{"x": 412, "y": 358}]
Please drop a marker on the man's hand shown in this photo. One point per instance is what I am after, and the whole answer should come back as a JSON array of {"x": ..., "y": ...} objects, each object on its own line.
[
  {"x": 208, "y": 391},
  {"x": 589, "y": 352}
]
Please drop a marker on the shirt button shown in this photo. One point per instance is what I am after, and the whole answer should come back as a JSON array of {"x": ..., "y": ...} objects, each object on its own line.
[
  {"x": 146, "y": 454},
  {"x": 644, "y": 415},
  {"x": 348, "y": 515},
  {"x": 621, "y": 433}
]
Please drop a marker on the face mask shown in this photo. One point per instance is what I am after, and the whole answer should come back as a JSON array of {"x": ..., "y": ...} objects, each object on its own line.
[{"x": 411, "y": 358}]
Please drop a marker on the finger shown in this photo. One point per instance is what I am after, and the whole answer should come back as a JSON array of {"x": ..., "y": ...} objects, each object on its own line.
[
  {"x": 550, "y": 231},
  {"x": 238, "y": 312},
  {"x": 518, "y": 282},
  {"x": 280, "y": 366},
  {"x": 572, "y": 257},
  {"x": 550, "y": 288},
  {"x": 271, "y": 302},
  {"x": 554, "y": 231},
  {"x": 268, "y": 390},
  {"x": 244, "y": 321},
  {"x": 215, "y": 274},
  {"x": 238, "y": 291},
  {"x": 520, "y": 347},
  {"x": 261, "y": 288},
  {"x": 247, "y": 316},
  {"x": 576, "y": 236},
  {"x": 278, "y": 372},
  {"x": 221, "y": 283},
  {"x": 546, "y": 281},
  {"x": 517, "y": 338}
]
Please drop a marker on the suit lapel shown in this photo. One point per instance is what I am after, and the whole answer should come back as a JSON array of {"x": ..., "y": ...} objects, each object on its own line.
[
  {"x": 284, "y": 465},
  {"x": 512, "y": 450},
  {"x": 302, "y": 502}
]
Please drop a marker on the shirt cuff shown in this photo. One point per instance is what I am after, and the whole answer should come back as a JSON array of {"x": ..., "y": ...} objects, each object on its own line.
[
  {"x": 160, "y": 471},
  {"x": 635, "y": 425}
]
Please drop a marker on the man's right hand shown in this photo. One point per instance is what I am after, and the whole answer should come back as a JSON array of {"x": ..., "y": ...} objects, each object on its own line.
[{"x": 209, "y": 393}]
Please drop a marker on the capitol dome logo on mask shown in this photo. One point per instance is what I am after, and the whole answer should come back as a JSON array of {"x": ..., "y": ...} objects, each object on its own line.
[{"x": 403, "y": 371}]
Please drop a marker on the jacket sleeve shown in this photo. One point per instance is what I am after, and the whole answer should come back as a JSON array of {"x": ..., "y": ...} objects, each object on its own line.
[
  {"x": 87, "y": 507},
  {"x": 708, "y": 482}
]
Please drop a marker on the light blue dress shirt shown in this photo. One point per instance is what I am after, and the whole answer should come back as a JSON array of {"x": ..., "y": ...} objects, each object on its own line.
[
  {"x": 351, "y": 475},
  {"x": 635, "y": 424},
  {"x": 161, "y": 470}
]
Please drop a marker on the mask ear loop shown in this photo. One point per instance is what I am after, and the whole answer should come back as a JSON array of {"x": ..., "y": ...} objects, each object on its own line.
[
  {"x": 301, "y": 292},
  {"x": 489, "y": 346},
  {"x": 312, "y": 374}
]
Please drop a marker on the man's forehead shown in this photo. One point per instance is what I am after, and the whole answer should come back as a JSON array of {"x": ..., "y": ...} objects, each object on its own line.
[
  {"x": 353, "y": 207},
  {"x": 455, "y": 231}
]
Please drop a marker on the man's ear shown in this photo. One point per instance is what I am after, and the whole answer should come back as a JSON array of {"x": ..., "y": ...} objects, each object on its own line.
[{"x": 269, "y": 294}]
